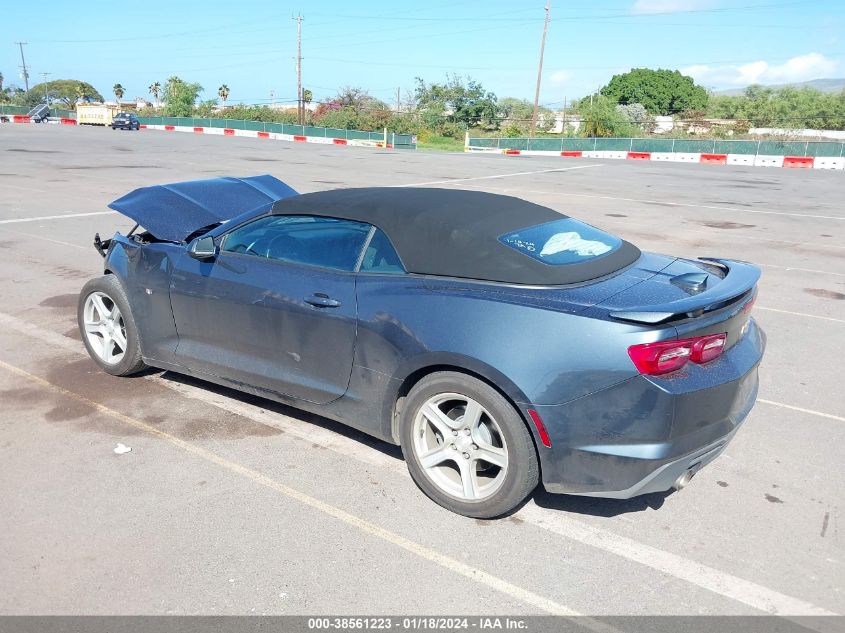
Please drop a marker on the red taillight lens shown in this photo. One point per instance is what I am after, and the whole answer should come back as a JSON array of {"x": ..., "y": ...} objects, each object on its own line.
[
  {"x": 707, "y": 348},
  {"x": 654, "y": 359},
  {"x": 747, "y": 307}
]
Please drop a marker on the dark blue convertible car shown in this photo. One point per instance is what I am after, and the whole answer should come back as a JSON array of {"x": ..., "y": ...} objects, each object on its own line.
[{"x": 499, "y": 342}]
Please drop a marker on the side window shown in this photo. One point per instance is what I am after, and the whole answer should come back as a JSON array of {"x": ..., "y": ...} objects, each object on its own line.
[
  {"x": 301, "y": 239},
  {"x": 380, "y": 256}
]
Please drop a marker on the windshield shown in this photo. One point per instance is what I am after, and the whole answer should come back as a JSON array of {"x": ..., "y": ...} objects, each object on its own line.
[{"x": 560, "y": 242}]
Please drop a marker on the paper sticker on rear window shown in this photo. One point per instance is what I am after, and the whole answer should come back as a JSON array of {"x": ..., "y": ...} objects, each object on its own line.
[{"x": 564, "y": 241}]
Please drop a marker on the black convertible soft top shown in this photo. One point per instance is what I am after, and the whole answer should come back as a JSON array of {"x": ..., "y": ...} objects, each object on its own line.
[{"x": 455, "y": 233}]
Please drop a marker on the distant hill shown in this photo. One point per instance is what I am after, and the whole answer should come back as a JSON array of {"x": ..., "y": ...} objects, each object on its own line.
[{"x": 824, "y": 85}]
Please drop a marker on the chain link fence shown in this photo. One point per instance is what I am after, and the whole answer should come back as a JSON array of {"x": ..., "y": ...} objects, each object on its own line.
[
  {"x": 399, "y": 141},
  {"x": 54, "y": 112},
  {"x": 666, "y": 145}
]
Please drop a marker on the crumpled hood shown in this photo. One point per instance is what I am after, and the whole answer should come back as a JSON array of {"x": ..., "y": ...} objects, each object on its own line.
[{"x": 172, "y": 212}]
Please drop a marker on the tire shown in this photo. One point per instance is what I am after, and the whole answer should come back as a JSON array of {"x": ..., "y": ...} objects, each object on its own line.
[
  {"x": 110, "y": 337},
  {"x": 442, "y": 456}
]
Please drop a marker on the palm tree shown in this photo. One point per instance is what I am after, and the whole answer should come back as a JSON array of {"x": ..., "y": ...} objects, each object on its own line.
[
  {"x": 118, "y": 91},
  {"x": 155, "y": 90},
  {"x": 223, "y": 91}
]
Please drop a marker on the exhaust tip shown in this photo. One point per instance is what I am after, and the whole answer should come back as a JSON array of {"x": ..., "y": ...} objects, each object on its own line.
[{"x": 683, "y": 480}]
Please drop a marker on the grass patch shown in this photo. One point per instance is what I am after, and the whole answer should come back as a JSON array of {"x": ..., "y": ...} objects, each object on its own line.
[{"x": 441, "y": 144}]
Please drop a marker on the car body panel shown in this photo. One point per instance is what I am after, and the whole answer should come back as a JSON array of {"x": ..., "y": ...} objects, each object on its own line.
[{"x": 243, "y": 321}]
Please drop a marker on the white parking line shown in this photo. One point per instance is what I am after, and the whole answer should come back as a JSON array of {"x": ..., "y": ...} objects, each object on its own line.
[
  {"x": 713, "y": 580},
  {"x": 56, "y": 217},
  {"x": 518, "y": 173},
  {"x": 47, "y": 239},
  {"x": 800, "y": 314},
  {"x": 803, "y": 270},
  {"x": 821, "y": 414},
  {"x": 738, "y": 589}
]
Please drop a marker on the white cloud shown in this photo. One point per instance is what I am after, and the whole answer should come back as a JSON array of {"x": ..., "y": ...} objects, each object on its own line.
[
  {"x": 799, "y": 68},
  {"x": 560, "y": 77},
  {"x": 669, "y": 6}
]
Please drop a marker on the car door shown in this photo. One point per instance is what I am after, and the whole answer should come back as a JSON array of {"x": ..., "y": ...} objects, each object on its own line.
[{"x": 275, "y": 309}]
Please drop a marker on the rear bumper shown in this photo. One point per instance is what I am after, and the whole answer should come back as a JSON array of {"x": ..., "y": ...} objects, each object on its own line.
[
  {"x": 642, "y": 435},
  {"x": 673, "y": 474}
]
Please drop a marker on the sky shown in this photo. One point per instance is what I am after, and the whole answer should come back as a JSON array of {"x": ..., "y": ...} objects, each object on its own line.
[{"x": 250, "y": 45}]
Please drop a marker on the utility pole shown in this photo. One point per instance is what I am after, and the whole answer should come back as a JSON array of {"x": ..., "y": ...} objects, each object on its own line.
[
  {"x": 24, "y": 72},
  {"x": 540, "y": 68},
  {"x": 398, "y": 102},
  {"x": 272, "y": 99},
  {"x": 300, "y": 112},
  {"x": 46, "y": 96}
]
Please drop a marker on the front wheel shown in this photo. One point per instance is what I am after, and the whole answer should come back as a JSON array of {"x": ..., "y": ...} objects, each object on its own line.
[
  {"x": 466, "y": 446},
  {"x": 107, "y": 327}
]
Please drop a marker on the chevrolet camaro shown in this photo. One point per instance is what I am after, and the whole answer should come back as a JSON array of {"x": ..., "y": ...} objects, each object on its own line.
[{"x": 500, "y": 343}]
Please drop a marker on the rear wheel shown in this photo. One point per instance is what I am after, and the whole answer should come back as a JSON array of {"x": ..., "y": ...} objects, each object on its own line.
[
  {"x": 107, "y": 327},
  {"x": 466, "y": 446}
]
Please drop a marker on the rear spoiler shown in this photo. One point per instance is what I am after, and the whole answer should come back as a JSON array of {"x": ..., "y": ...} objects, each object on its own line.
[{"x": 740, "y": 278}]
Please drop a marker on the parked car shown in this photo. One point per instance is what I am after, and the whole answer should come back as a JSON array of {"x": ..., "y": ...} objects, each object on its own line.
[
  {"x": 125, "y": 121},
  {"x": 497, "y": 341}
]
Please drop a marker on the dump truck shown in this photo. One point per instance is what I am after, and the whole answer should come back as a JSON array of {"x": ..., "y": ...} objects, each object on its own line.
[{"x": 95, "y": 113}]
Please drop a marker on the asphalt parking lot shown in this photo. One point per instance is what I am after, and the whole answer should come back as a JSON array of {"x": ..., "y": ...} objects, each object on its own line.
[{"x": 228, "y": 504}]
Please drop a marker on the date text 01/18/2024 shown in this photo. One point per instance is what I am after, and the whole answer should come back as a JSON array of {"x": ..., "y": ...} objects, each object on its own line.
[{"x": 420, "y": 623}]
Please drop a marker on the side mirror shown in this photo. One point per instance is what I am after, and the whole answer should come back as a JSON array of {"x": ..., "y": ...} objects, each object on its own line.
[{"x": 203, "y": 248}]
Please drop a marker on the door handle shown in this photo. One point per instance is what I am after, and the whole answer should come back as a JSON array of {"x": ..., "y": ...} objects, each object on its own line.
[{"x": 322, "y": 300}]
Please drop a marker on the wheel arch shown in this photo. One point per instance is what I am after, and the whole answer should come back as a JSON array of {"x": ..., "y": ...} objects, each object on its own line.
[{"x": 414, "y": 373}]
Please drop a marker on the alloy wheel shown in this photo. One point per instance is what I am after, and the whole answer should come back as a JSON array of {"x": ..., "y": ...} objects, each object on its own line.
[
  {"x": 460, "y": 446},
  {"x": 104, "y": 328}
]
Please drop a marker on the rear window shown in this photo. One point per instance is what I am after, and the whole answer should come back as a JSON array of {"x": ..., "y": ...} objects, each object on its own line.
[{"x": 561, "y": 242}]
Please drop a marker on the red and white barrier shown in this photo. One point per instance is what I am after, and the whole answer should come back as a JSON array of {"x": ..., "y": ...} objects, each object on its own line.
[
  {"x": 760, "y": 160},
  {"x": 270, "y": 135}
]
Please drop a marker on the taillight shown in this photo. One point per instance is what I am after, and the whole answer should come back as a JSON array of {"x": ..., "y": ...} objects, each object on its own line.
[
  {"x": 706, "y": 348},
  {"x": 654, "y": 359}
]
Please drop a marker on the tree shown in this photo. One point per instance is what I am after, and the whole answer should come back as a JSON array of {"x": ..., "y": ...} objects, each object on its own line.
[
  {"x": 1, "y": 82},
  {"x": 357, "y": 99},
  {"x": 155, "y": 91},
  {"x": 460, "y": 101},
  {"x": 180, "y": 97},
  {"x": 223, "y": 92},
  {"x": 601, "y": 118},
  {"x": 637, "y": 115},
  {"x": 118, "y": 91},
  {"x": 66, "y": 91},
  {"x": 517, "y": 113},
  {"x": 786, "y": 108},
  {"x": 660, "y": 91}
]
